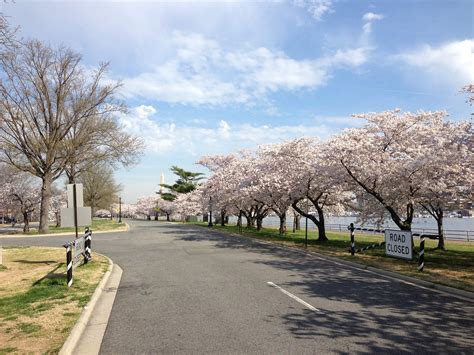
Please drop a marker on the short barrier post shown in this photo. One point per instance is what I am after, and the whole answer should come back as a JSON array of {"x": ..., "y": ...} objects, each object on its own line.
[
  {"x": 351, "y": 228},
  {"x": 421, "y": 258},
  {"x": 88, "y": 245},
  {"x": 69, "y": 263}
]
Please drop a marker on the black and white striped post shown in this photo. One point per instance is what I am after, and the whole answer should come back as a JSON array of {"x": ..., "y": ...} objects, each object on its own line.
[
  {"x": 351, "y": 228},
  {"x": 421, "y": 258},
  {"x": 88, "y": 245},
  {"x": 69, "y": 263}
]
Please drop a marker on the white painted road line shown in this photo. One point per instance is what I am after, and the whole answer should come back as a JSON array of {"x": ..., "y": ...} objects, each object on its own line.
[{"x": 294, "y": 297}]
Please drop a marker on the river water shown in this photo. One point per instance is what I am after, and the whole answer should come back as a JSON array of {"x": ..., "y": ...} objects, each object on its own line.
[{"x": 455, "y": 228}]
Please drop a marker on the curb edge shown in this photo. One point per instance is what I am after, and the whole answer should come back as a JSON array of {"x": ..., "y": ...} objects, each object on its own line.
[{"x": 78, "y": 329}]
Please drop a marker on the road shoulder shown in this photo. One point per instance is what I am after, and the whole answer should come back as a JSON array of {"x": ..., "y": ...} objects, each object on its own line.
[{"x": 86, "y": 336}]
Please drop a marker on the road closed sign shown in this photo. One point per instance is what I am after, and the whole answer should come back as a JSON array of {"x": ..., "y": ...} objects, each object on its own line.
[{"x": 398, "y": 244}]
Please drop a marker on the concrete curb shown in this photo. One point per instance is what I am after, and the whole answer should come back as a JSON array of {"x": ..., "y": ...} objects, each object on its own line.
[
  {"x": 465, "y": 295},
  {"x": 74, "y": 337}
]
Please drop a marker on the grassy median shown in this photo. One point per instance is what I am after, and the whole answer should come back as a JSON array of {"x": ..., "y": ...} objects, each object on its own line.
[
  {"x": 98, "y": 224},
  {"x": 453, "y": 267},
  {"x": 37, "y": 309}
]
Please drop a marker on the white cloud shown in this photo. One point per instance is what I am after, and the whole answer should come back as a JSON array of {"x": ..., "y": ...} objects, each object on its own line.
[
  {"x": 448, "y": 63},
  {"x": 204, "y": 73},
  {"x": 164, "y": 138},
  {"x": 370, "y": 16},
  {"x": 317, "y": 8},
  {"x": 368, "y": 19}
]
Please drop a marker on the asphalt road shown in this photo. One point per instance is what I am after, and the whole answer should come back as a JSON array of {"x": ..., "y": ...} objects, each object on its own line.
[{"x": 191, "y": 290}]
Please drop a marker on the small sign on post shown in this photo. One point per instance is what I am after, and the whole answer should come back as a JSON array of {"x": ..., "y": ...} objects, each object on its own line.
[
  {"x": 398, "y": 244},
  {"x": 76, "y": 251},
  {"x": 79, "y": 250}
]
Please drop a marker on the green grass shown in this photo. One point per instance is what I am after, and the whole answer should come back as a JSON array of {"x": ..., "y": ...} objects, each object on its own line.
[
  {"x": 3, "y": 267},
  {"x": 452, "y": 267},
  {"x": 98, "y": 224},
  {"x": 32, "y": 308},
  {"x": 24, "y": 303},
  {"x": 29, "y": 328}
]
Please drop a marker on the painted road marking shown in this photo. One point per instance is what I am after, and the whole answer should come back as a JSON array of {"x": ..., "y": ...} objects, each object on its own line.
[{"x": 294, "y": 297}]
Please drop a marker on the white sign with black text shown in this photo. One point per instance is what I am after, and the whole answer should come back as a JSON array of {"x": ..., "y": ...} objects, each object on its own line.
[
  {"x": 78, "y": 250},
  {"x": 398, "y": 244}
]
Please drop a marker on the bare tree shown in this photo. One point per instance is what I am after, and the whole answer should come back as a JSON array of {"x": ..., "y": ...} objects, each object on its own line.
[
  {"x": 45, "y": 94},
  {"x": 100, "y": 188},
  {"x": 97, "y": 141},
  {"x": 7, "y": 35}
]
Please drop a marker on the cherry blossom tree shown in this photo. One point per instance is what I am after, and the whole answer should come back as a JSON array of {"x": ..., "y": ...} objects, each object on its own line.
[
  {"x": 58, "y": 200},
  {"x": 166, "y": 207},
  {"x": 228, "y": 187},
  {"x": 146, "y": 205},
  {"x": 189, "y": 204},
  {"x": 399, "y": 159},
  {"x": 314, "y": 183},
  {"x": 20, "y": 192}
]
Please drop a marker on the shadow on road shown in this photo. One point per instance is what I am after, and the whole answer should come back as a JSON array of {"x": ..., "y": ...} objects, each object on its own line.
[{"x": 378, "y": 314}]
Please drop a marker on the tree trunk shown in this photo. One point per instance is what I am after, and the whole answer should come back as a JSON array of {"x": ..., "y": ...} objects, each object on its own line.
[
  {"x": 439, "y": 222},
  {"x": 321, "y": 225},
  {"x": 45, "y": 197},
  {"x": 167, "y": 217},
  {"x": 222, "y": 218},
  {"x": 26, "y": 227},
  {"x": 296, "y": 222},
  {"x": 282, "y": 229},
  {"x": 250, "y": 221},
  {"x": 239, "y": 220},
  {"x": 156, "y": 216},
  {"x": 319, "y": 222},
  {"x": 259, "y": 223},
  {"x": 57, "y": 219}
]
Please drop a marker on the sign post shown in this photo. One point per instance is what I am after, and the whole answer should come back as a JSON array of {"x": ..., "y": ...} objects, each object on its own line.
[{"x": 399, "y": 244}]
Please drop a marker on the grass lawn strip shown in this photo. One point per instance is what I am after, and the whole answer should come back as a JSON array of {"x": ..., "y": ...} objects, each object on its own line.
[
  {"x": 453, "y": 267},
  {"x": 37, "y": 310},
  {"x": 97, "y": 225}
]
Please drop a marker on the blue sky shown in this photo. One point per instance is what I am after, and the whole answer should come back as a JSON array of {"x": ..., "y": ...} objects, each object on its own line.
[{"x": 213, "y": 77}]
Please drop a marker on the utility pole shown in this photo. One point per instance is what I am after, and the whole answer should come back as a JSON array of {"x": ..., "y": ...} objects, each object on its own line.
[{"x": 120, "y": 210}]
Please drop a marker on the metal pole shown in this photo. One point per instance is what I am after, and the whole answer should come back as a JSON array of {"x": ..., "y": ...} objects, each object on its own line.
[
  {"x": 74, "y": 202},
  {"x": 120, "y": 210},
  {"x": 306, "y": 227},
  {"x": 351, "y": 228}
]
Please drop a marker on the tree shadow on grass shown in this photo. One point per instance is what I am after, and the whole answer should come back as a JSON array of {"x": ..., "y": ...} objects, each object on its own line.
[
  {"x": 52, "y": 277},
  {"x": 47, "y": 262}
]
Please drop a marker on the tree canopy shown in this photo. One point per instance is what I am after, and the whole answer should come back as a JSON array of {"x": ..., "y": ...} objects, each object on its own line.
[{"x": 187, "y": 181}]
